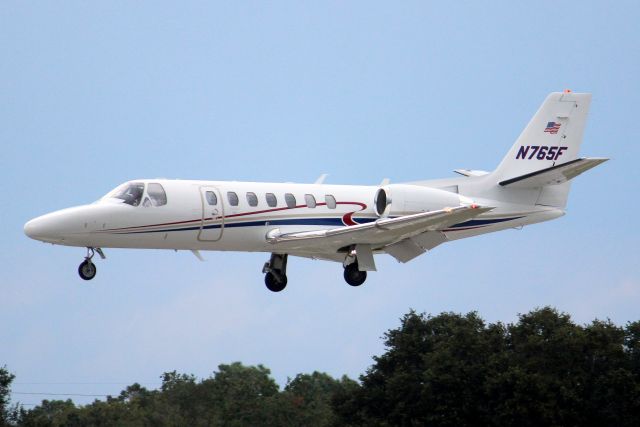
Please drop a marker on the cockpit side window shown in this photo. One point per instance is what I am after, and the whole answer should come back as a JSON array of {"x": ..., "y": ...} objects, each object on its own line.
[
  {"x": 131, "y": 193},
  {"x": 157, "y": 194}
]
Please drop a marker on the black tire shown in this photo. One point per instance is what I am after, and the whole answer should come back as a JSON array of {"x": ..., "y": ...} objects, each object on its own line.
[
  {"x": 353, "y": 276},
  {"x": 87, "y": 270},
  {"x": 273, "y": 284}
]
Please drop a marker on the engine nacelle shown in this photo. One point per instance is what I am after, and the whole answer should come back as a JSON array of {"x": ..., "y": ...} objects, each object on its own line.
[{"x": 406, "y": 199}]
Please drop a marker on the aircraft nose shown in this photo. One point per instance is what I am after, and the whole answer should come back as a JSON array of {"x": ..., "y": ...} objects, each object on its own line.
[
  {"x": 67, "y": 226},
  {"x": 29, "y": 229},
  {"x": 50, "y": 228},
  {"x": 39, "y": 229}
]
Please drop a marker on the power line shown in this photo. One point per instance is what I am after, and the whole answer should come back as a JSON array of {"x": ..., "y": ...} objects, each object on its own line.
[
  {"x": 87, "y": 383},
  {"x": 60, "y": 394}
]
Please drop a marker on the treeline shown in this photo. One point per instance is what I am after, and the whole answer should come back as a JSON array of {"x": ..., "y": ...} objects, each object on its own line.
[{"x": 445, "y": 370}]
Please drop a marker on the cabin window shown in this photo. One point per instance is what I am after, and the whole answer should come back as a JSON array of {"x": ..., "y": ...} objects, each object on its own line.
[
  {"x": 211, "y": 197},
  {"x": 157, "y": 194},
  {"x": 271, "y": 200},
  {"x": 330, "y": 200},
  {"x": 290, "y": 200},
  {"x": 252, "y": 199},
  {"x": 310, "y": 200},
  {"x": 130, "y": 192},
  {"x": 233, "y": 198}
]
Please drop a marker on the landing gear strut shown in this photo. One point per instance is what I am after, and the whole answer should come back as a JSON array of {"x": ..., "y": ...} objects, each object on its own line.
[
  {"x": 276, "y": 272},
  {"x": 87, "y": 269}
]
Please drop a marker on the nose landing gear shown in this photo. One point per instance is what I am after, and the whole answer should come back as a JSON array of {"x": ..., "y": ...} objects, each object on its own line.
[
  {"x": 276, "y": 272},
  {"x": 87, "y": 269}
]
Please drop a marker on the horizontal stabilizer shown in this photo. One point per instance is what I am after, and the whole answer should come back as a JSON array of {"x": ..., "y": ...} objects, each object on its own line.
[
  {"x": 555, "y": 174},
  {"x": 469, "y": 172}
]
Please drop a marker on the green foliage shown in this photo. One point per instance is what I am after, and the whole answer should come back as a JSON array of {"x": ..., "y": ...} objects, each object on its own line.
[
  {"x": 445, "y": 370},
  {"x": 308, "y": 398},
  {"x": 54, "y": 413},
  {"x": 6, "y": 413},
  {"x": 543, "y": 370}
]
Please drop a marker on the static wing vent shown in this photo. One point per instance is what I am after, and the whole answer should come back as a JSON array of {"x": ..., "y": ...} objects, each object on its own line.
[{"x": 554, "y": 174}]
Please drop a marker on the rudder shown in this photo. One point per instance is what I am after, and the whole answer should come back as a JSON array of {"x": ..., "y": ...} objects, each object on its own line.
[{"x": 552, "y": 137}]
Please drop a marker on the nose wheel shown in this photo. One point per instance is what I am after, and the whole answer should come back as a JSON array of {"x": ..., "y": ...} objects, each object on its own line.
[{"x": 87, "y": 269}]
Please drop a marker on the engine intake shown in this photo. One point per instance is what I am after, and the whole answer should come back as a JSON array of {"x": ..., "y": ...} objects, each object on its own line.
[
  {"x": 405, "y": 199},
  {"x": 381, "y": 202}
]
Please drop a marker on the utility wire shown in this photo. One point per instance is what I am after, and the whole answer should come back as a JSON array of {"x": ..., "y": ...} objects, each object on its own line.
[
  {"x": 86, "y": 382},
  {"x": 61, "y": 394}
]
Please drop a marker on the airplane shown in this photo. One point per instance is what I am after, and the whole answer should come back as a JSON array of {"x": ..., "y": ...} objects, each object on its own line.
[{"x": 348, "y": 224}]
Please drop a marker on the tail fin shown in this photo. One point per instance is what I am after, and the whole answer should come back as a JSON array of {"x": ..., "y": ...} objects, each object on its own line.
[{"x": 552, "y": 137}]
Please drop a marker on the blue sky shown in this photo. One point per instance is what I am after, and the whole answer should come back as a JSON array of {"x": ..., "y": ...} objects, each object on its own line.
[{"x": 94, "y": 94}]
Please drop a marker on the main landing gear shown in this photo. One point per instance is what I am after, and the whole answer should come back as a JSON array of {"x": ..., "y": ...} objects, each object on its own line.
[
  {"x": 353, "y": 276},
  {"x": 276, "y": 272},
  {"x": 87, "y": 269}
]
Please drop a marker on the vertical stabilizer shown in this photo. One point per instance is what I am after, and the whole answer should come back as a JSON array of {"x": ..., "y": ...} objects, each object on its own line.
[{"x": 552, "y": 137}]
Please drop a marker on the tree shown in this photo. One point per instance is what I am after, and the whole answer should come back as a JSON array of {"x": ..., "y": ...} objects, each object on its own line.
[
  {"x": 239, "y": 395},
  {"x": 444, "y": 370},
  {"x": 7, "y": 414},
  {"x": 308, "y": 398},
  {"x": 539, "y": 383},
  {"x": 53, "y": 413},
  {"x": 431, "y": 374},
  {"x": 632, "y": 346},
  {"x": 453, "y": 369}
]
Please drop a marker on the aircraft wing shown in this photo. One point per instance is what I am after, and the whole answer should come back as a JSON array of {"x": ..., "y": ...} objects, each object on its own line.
[{"x": 378, "y": 235}]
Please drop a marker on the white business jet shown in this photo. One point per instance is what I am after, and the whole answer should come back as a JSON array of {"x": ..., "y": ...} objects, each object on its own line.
[{"x": 343, "y": 223}]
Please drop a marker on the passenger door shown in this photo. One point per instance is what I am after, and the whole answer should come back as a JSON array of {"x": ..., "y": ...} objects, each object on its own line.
[{"x": 212, "y": 223}]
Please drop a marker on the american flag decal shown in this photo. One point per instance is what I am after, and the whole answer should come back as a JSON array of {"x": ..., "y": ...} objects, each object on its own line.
[{"x": 552, "y": 128}]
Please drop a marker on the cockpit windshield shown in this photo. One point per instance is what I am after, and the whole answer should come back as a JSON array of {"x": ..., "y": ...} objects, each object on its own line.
[{"x": 130, "y": 192}]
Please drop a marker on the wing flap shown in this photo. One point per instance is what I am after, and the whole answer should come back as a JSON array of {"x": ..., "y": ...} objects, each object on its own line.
[
  {"x": 412, "y": 247},
  {"x": 554, "y": 174}
]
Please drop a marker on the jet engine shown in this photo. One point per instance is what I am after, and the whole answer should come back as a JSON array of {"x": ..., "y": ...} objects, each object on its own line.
[{"x": 406, "y": 199}]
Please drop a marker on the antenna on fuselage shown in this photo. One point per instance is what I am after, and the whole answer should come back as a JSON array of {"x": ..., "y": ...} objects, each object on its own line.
[{"x": 321, "y": 178}]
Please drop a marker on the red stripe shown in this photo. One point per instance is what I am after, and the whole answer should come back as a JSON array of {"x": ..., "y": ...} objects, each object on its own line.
[{"x": 362, "y": 206}]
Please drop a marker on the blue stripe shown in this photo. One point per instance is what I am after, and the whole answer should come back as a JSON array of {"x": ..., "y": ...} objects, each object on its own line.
[
  {"x": 330, "y": 221},
  {"x": 478, "y": 222}
]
